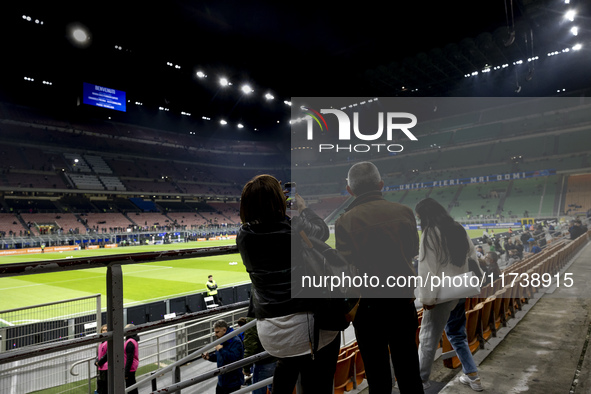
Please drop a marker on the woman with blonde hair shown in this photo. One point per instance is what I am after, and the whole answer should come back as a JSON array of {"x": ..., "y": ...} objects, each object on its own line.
[{"x": 101, "y": 362}]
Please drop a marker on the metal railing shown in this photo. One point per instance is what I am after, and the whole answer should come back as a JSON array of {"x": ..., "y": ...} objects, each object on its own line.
[
  {"x": 114, "y": 296},
  {"x": 164, "y": 353}
]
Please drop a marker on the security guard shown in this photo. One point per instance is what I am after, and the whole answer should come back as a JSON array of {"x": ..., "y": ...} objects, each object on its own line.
[{"x": 212, "y": 289}]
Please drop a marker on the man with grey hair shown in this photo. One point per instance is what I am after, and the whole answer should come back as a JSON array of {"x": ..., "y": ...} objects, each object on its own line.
[
  {"x": 380, "y": 238},
  {"x": 362, "y": 178}
]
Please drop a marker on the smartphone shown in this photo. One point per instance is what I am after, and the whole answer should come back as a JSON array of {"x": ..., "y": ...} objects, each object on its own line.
[{"x": 290, "y": 187}]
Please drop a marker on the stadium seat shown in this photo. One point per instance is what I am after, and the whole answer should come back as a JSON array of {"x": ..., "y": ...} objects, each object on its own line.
[
  {"x": 209, "y": 303},
  {"x": 352, "y": 349},
  {"x": 506, "y": 309},
  {"x": 498, "y": 311},
  {"x": 486, "y": 322},
  {"x": 472, "y": 320},
  {"x": 343, "y": 375},
  {"x": 446, "y": 346},
  {"x": 358, "y": 372},
  {"x": 486, "y": 291}
]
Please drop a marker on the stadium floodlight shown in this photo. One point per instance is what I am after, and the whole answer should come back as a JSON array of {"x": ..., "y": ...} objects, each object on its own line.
[
  {"x": 269, "y": 96},
  {"x": 570, "y": 15},
  {"x": 574, "y": 31},
  {"x": 80, "y": 35},
  {"x": 287, "y": 102},
  {"x": 577, "y": 47},
  {"x": 223, "y": 122},
  {"x": 224, "y": 82},
  {"x": 247, "y": 89},
  {"x": 240, "y": 126},
  {"x": 201, "y": 74}
]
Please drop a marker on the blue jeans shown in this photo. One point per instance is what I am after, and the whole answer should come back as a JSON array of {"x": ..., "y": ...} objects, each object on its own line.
[
  {"x": 262, "y": 372},
  {"x": 455, "y": 330},
  {"x": 451, "y": 317}
]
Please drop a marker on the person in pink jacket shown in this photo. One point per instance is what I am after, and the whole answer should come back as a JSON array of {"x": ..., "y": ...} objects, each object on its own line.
[
  {"x": 101, "y": 362},
  {"x": 131, "y": 358}
]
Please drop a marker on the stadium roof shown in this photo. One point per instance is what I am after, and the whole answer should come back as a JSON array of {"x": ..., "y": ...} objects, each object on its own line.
[{"x": 324, "y": 49}]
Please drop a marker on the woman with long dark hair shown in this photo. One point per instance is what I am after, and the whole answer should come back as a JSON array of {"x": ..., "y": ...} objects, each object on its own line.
[
  {"x": 445, "y": 251},
  {"x": 285, "y": 325}
]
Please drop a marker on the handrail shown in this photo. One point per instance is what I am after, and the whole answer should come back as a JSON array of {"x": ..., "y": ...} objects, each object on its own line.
[
  {"x": 193, "y": 355},
  {"x": 50, "y": 303},
  {"x": 22, "y": 353},
  {"x": 211, "y": 374},
  {"x": 253, "y": 386},
  {"x": 89, "y": 360},
  {"x": 34, "y": 351},
  {"x": 21, "y": 366},
  {"x": 80, "y": 362}
]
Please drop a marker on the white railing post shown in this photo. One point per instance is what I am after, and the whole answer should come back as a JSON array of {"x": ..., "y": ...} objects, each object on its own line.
[{"x": 99, "y": 323}]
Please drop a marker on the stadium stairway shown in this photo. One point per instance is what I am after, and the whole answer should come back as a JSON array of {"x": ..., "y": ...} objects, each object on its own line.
[
  {"x": 198, "y": 367},
  {"x": 501, "y": 205},
  {"x": 545, "y": 347}
]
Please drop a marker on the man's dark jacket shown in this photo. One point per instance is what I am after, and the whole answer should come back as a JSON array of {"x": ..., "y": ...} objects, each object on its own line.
[
  {"x": 232, "y": 350},
  {"x": 380, "y": 238}
]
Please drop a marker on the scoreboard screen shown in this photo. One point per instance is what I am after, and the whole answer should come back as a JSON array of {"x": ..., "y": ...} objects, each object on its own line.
[{"x": 100, "y": 96}]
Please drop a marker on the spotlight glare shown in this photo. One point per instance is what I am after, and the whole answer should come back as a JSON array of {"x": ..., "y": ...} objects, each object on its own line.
[
  {"x": 224, "y": 82},
  {"x": 570, "y": 15},
  {"x": 269, "y": 96},
  {"x": 575, "y": 31},
  {"x": 201, "y": 74},
  {"x": 247, "y": 89},
  {"x": 79, "y": 35},
  {"x": 223, "y": 122},
  {"x": 577, "y": 47}
]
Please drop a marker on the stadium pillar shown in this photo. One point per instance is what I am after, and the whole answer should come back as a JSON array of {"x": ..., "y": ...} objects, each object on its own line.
[{"x": 115, "y": 351}]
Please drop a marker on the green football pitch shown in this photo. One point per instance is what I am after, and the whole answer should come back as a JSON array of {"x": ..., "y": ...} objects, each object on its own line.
[{"x": 142, "y": 283}]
